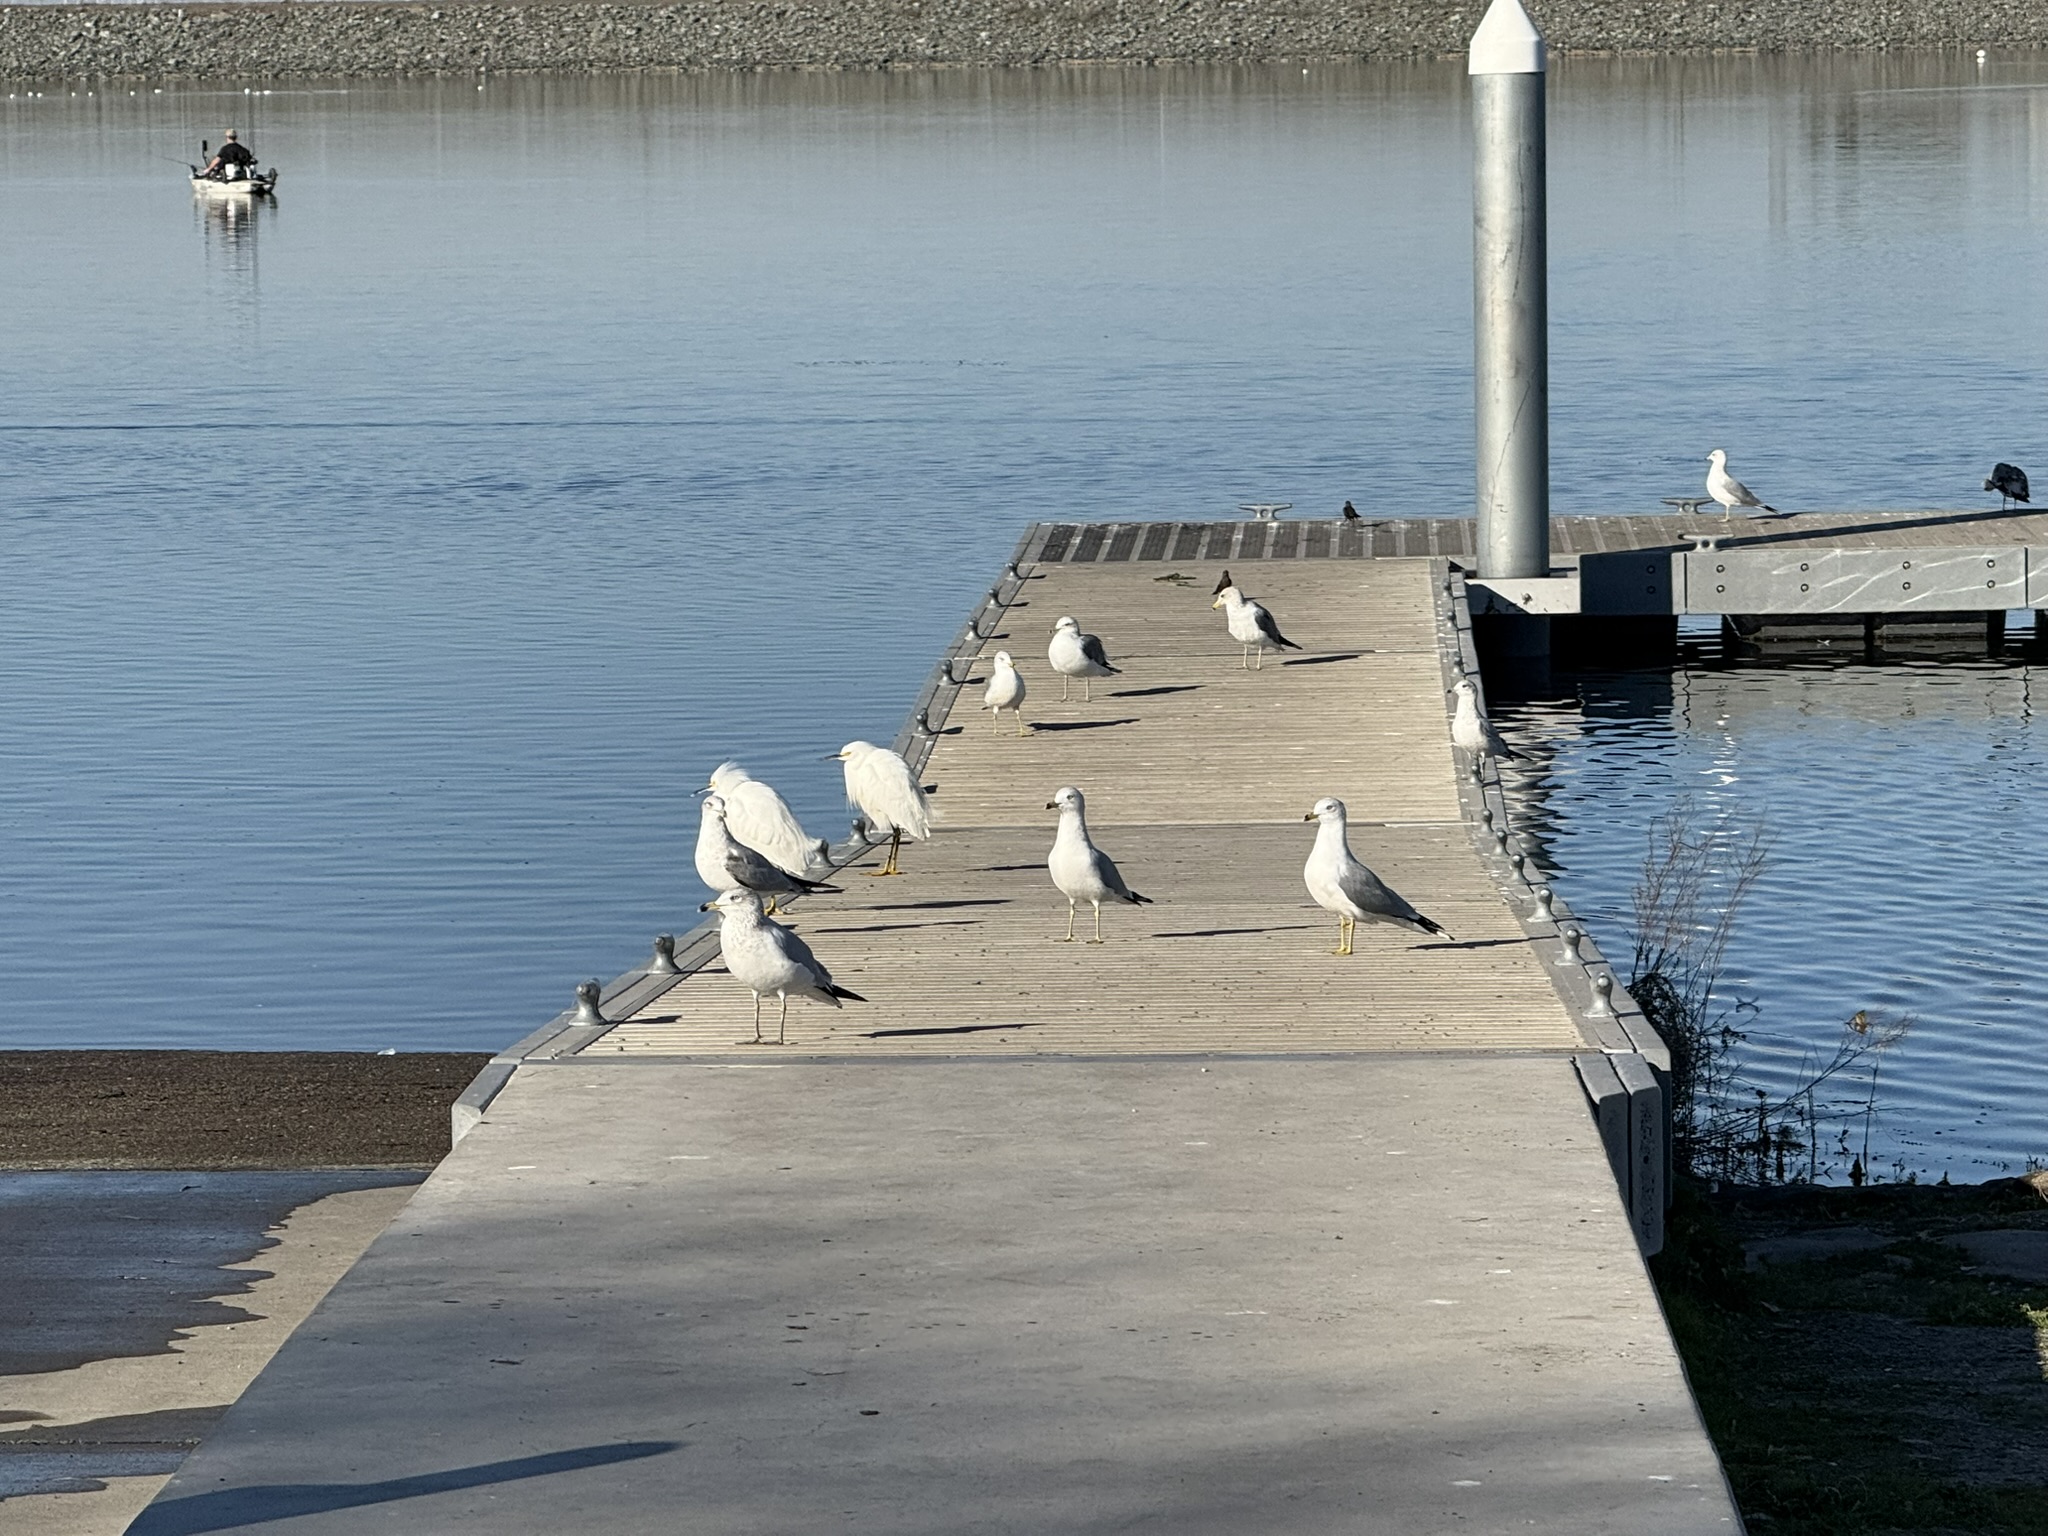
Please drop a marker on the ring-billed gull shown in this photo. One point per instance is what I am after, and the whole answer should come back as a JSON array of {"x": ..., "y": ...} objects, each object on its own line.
[
  {"x": 770, "y": 960},
  {"x": 762, "y": 819},
  {"x": 725, "y": 863},
  {"x": 1342, "y": 885},
  {"x": 1074, "y": 654},
  {"x": 1472, "y": 732},
  {"x": 884, "y": 790},
  {"x": 1005, "y": 691},
  {"x": 2010, "y": 481},
  {"x": 1728, "y": 490},
  {"x": 1251, "y": 624},
  {"x": 1082, "y": 871}
]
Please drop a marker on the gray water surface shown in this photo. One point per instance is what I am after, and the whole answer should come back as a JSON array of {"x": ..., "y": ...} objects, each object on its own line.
[{"x": 384, "y": 568}]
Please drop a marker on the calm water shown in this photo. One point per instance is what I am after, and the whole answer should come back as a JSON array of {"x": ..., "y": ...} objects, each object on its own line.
[{"x": 383, "y": 570}]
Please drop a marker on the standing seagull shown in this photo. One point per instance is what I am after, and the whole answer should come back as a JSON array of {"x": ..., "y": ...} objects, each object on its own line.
[
  {"x": 2010, "y": 481},
  {"x": 762, "y": 819},
  {"x": 767, "y": 958},
  {"x": 882, "y": 787},
  {"x": 1005, "y": 691},
  {"x": 1074, "y": 654},
  {"x": 1728, "y": 490},
  {"x": 1251, "y": 626},
  {"x": 1471, "y": 732},
  {"x": 1082, "y": 871},
  {"x": 724, "y": 863},
  {"x": 1342, "y": 885}
]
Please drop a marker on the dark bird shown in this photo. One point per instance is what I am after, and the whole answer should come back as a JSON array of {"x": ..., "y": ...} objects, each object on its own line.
[
  {"x": 1350, "y": 513},
  {"x": 2010, "y": 481}
]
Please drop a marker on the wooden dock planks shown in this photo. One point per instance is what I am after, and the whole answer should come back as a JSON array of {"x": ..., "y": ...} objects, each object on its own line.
[{"x": 1198, "y": 775}]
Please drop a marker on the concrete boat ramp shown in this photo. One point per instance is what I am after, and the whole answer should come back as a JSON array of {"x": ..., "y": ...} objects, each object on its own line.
[{"x": 1202, "y": 1230}]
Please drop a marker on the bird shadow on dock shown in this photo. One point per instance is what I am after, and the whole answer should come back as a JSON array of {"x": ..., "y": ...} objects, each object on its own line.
[
  {"x": 1007, "y": 869},
  {"x": 1471, "y": 944},
  {"x": 1219, "y": 933},
  {"x": 1154, "y": 693},
  {"x": 1323, "y": 661},
  {"x": 947, "y": 1029},
  {"x": 1080, "y": 725},
  {"x": 928, "y": 906},
  {"x": 957, "y": 922},
  {"x": 234, "y": 1508}
]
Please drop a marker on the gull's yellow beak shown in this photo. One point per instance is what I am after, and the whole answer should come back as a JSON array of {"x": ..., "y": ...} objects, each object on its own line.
[
  {"x": 1217, "y": 604},
  {"x": 1311, "y": 816}
]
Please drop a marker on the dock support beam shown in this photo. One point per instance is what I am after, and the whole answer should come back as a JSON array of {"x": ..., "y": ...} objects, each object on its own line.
[{"x": 1510, "y": 292}]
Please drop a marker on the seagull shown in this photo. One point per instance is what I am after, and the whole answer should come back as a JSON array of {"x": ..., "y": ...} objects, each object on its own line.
[
  {"x": 1005, "y": 691},
  {"x": 1728, "y": 490},
  {"x": 1082, "y": 871},
  {"x": 762, "y": 819},
  {"x": 2010, "y": 481},
  {"x": 1342, "y": 885},
  {"x": 1351, "y": 513},
  {"x": 1251, "y": 626},
  {"x": 724, "y": 863},
  {"x": 767, "y": 958},
  {"x": 1074, "y": 654},
  {"x": 1471, "y": 732},
  {"x": 886, "y": 793}
]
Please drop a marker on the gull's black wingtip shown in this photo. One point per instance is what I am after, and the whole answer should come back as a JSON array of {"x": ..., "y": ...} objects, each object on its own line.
[{"x": 841, "y": 992}]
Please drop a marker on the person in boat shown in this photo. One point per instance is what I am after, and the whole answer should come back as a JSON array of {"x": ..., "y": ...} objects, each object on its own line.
[{"x": 233, "y": 152}]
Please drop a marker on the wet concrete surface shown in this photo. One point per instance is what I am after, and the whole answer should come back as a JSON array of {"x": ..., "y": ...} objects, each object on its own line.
[{"x": 102, "y": 1264}]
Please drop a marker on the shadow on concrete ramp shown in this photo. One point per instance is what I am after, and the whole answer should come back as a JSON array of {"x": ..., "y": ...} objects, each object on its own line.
[{"x": 231, "y": 1509}]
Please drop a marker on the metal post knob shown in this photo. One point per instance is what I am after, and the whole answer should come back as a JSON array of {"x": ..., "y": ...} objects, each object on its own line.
[
  {"x": 664, "y": 961},
  {"x": 1544, "y": 910},
  {"x": 1603, "y": 996},
  {"x": 587, "y": 1011},
  {"x": 1571, "y": 938}
]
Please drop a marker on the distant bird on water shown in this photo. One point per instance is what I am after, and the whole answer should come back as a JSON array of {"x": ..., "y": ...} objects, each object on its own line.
[
  {"x": 724, "y": 863},
  {"x": 1082, "y": 871},
  {"x": 1005, "y": 691},
  {"x": 1471, "y": 732},
  {"x": 1340, "y": 884},
  {"x": 1251, "y": 625},
  {"x": 1074, "y": 654},
  {"x": 2010, "y": 481},
  {"x": 771, "y": 961},
  {"x": 1351, "y": 513},
  {"x": 1728, "y": 490},
  {"x": 762, "y": 820},
  {"x": 884, "y": 790}
]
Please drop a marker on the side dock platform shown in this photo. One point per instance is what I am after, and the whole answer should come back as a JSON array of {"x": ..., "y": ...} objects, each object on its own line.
[{"x": 1201, "y": 1230}]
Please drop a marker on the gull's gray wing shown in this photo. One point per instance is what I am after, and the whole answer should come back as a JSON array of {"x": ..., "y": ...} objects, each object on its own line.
[
  {"x": 755, "y": 871},
  {"x": 1372, "y": 895},
  {"x": 1112, "y": 879},
  {"x": 1264, "y": 620},
  {"x": 1091, "y": 647}
]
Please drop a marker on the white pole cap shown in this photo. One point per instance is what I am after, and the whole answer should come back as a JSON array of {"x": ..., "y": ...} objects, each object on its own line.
[{"x": 1507, "y": 42}]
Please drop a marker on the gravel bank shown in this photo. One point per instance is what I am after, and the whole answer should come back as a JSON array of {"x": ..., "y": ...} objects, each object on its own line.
[{"x": 56, "y": 42}]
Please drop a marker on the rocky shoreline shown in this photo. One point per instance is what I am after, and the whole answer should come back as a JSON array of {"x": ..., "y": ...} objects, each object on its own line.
[{"x": 47, "y": 42}]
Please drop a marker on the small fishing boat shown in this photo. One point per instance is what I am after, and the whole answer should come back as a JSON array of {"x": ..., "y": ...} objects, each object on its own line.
[{"x": 260, "y": 184}]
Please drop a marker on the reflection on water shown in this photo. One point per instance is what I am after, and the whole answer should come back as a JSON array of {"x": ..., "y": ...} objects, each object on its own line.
[
  {"x": 373, "y": 608},
  {"x": 1903, "y": 880}
]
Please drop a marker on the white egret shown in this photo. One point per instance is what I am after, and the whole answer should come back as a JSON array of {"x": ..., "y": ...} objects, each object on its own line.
[
  {"x": 762, "y": 819},
  {"x": 882, "y": 788}
]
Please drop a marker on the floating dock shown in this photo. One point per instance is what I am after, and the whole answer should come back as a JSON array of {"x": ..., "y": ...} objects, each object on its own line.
[{"x": 1201, "y": 1230}]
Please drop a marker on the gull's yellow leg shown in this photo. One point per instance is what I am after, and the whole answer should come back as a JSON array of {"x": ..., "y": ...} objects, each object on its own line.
[
  {"x": 1066, "y": 682},
  {"x": 1087, "y": 690},
  {"x": 1098, "y": 924},
  {"x": 774, "y": 906},
  {"x": 757, "y": 1018},
  {"x": 782, "y": 1028},
  {"x": 1020, "y": 724},
  {"x": 1070, "y": 922}
]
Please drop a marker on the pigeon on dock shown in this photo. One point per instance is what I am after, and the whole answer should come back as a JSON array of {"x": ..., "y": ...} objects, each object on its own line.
[
  {"x": 1251, "y": 625},
  {"x": 762, "y": 819},
  {"x": 1728, "y": 490},
  {"x": 2010, "y": 481},
  {"x": 1005, "y": 691},
  {"x": 771, "y": 961},
  {"x": 725, "y": 863},
  {"x": 1074, "y": 654},
  {"x": 882, "y": 788},
  {"x": 1471, "y": 732},
  {"x": 1082, "y": 871},
  {"x": 1340, "y": 884}
]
